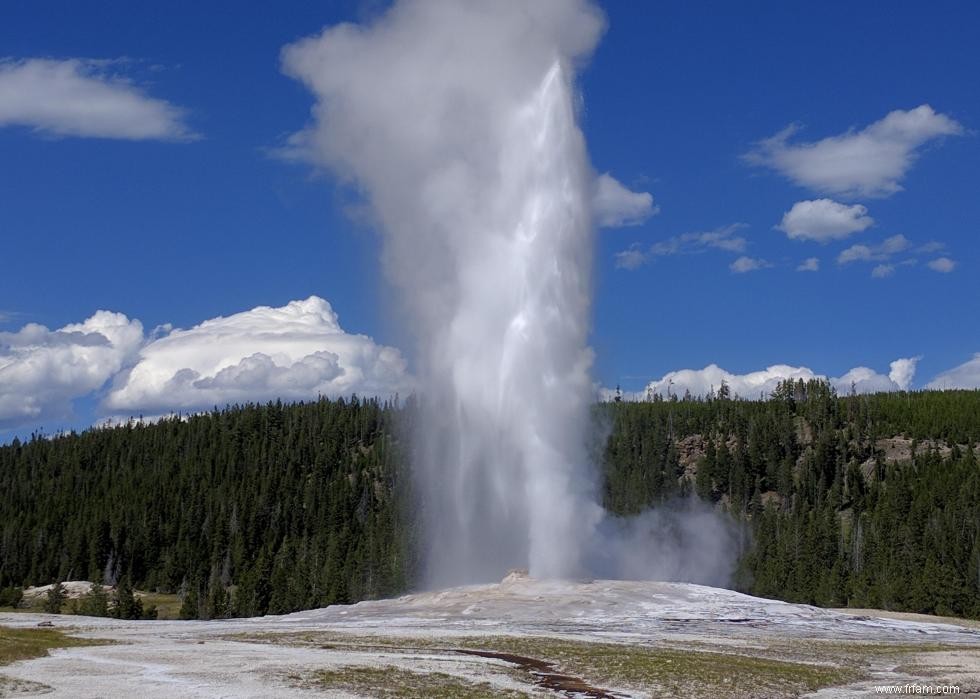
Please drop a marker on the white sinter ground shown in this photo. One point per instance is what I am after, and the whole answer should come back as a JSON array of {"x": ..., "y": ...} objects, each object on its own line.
[{"x": 249, "y": 657}]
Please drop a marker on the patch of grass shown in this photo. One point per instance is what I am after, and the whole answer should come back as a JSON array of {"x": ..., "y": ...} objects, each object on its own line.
[
  {"x": 671, "y": 670},
  {"x": 24, "y": 644},
  {"x": 35, "y": 606},
  {"x": 168, "y": 605},
  {"x": 397, "y": 683},
  {"x": 664, "y": 670}
]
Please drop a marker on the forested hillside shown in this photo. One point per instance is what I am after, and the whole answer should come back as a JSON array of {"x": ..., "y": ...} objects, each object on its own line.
[
  {"x": 855, "y": 500},
  {"x": 864, "y": 501},
  {"x": 247, "y": 511}
]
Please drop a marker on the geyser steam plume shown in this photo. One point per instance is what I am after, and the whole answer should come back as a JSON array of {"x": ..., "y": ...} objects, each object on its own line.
[{"x": 457, "y": 119}]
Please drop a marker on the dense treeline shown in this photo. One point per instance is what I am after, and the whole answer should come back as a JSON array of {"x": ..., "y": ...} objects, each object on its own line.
[
  {"x": 835, "y": 520},
  {"x": 246, "y": 511},
  {"x": 269, "y": 509}
]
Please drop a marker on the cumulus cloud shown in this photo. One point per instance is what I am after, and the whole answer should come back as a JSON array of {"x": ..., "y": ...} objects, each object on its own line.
[
  {"x": 614, "y": 205},
  {"x": 756, "y": 384},
  {"x": 931, "y": 246},
  {"x": 723, "y": 238},
  {"x": 882, "y": 271},
  {"x": 42, "y": 371},
  {"x": 942, "y": 264},
  {"x": 966, "y": 375},
  {"x": 874, "y": 253},
  {"x": 824, "y": 220},
  {"x": 294, "y": 352},
  {"x": 747, "y": 264},
  {"x": 870, "y": 162},
  {"x": 810, "y": 264},
  {"x": 76, "y": 97},
  {"x": 902, "y": 371}
]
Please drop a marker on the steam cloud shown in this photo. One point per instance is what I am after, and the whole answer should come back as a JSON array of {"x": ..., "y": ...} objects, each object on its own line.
[{"x": 458, "y": 122}]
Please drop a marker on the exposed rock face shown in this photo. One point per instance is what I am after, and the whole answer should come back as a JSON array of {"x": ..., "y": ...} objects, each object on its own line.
[
  {"x": 690, "y": 450},
  {"x": 898, "y": 449}
]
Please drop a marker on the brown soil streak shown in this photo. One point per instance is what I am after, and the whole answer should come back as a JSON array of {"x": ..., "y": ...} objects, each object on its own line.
[{"x": 545, "y": 675}]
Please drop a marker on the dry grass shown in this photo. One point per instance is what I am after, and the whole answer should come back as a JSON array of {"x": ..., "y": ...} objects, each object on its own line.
[
  {"x": 25, "y": 644},
  {"x": 656, "y": 669},
  {"x": 397, "y": 683}
]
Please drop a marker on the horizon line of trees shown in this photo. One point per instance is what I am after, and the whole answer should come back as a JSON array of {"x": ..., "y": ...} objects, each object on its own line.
[{"x": 267, "y": 509}]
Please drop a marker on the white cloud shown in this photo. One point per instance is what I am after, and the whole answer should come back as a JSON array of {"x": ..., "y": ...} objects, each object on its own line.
[
  {"x": 882, "y": 271},
  {"x": 756, "y": 384},
  {"x": 632, "y": 257},
  {"x": 824, "y": 220},
  {"x": 747, "y": 264},
  {"x": 931, "y": 246},
  {"x": 942, "y": 264},
  {"x": 966, "y": 375},
  {"x": 869, "y": 162},
  {"x": 614, "y": 205},
  {"x": 723, "y": 238},
  {"x": 875, "y": 253},
  {"x": 76, "y": 97},
  {"x": 810, "y": 264},
  {"x": 902, "y": 371},
  {"x": 295, "y": 352},
  {"x": 42, "y": 371}
]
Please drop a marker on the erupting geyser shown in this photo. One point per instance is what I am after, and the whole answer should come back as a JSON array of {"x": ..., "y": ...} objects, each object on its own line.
[{"x": 458, "y": 122}]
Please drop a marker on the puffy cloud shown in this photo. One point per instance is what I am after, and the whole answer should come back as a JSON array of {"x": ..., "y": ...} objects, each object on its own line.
[
  {"x": 747, "y": 264},
  {"x": 42, "y": 371},
  {"x": 874, "y": 253},
  {"x": 295, "y": 352},
  {"x": 723, "y": 238},
  {"x": 942, "y": 264},
  {"x": 882, "y": 271},
  {"x": 810, "y": 264},
  {"x": 902, "y": 371},
  {"x": 756, "y": 384},
  {"x": 869, "y": 162},
  {"x": 614, "y": 205},
  {"x": 701, "y": 382},
  {"x": 966, "y": 375},
  {"x": 76, "y": 97},
  {"x": 824, "y": 220}
]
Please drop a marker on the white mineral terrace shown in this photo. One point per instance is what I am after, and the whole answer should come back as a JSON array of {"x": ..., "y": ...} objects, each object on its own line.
[{"x": 201, "y": 659}]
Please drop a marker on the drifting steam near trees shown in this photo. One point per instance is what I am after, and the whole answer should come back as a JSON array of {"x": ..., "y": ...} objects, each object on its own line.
[{"x": 457, "y": 120}]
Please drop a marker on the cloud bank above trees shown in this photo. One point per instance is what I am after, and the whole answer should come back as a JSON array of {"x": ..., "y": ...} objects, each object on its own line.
[
  {"x": 294, "y": 352},
  {"x": 760, "y": 384}
]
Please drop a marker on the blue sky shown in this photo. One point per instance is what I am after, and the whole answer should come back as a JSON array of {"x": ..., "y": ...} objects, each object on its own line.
[{"x": 200, "y": 218}]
